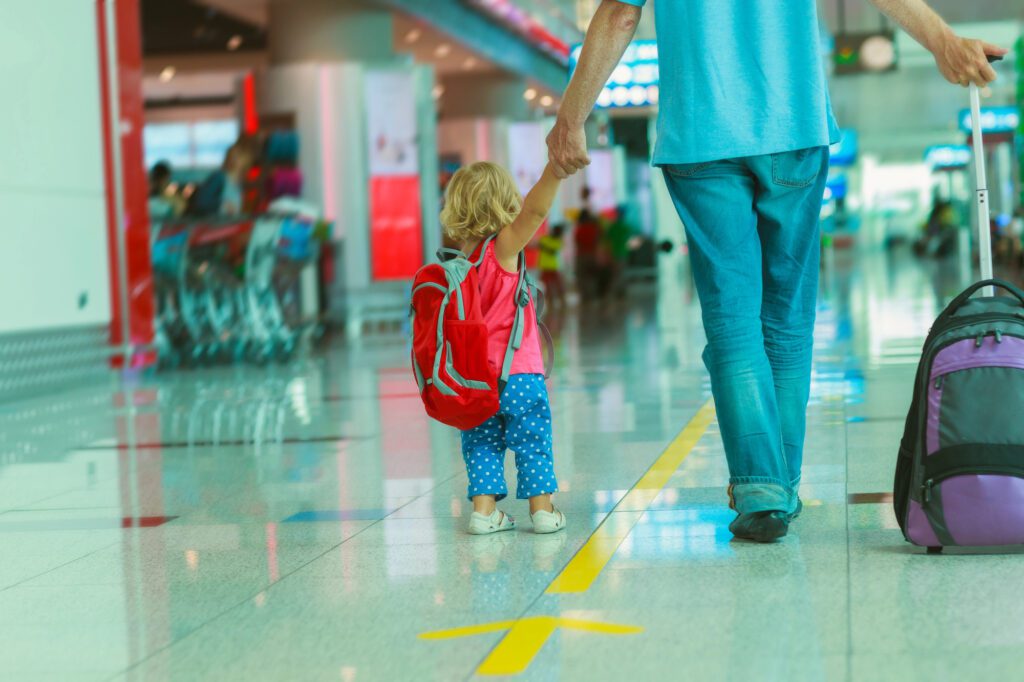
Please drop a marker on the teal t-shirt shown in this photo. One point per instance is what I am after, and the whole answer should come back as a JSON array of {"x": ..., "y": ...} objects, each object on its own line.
[{"x": 739, "y": 78}]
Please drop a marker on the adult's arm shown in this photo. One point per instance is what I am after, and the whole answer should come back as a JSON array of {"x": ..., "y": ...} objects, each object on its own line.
[
  {"x": 961, "y": 60},
  {"x": 610, "y": 32}
]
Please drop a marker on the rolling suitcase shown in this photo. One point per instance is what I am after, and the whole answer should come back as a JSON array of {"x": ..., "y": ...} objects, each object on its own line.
[{"x": 960, "y": 470}]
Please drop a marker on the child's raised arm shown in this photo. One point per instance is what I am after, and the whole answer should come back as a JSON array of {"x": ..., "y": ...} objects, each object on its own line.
[{"x": 515, "y": 237}]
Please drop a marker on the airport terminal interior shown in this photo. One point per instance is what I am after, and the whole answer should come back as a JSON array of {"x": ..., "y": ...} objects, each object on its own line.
[{"x": 215, "y": 457}]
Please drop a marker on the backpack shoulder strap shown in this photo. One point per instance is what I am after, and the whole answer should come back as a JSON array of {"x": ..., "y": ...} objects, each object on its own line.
[
  {"x": 526, "y": 290},
  {"x": 515, "y": 338},
  {"x": 537, "y": 294},
  {"x": 549, "y": 348},
  {"x": 456, "y": 270},
  {"x": 445, "y": 254},
  {"x": 477, "y": 257}
]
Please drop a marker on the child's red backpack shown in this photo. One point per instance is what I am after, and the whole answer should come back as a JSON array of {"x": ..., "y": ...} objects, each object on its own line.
[{"x": 459, "y": 385}]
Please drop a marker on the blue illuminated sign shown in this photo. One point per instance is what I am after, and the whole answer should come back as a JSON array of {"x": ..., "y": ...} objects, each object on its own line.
[
  {"x": 946, "y": 156},
  {"x": 844, "y": 152},
  {"x": 634, "y": 82},
  {"x": 993, "y": 119}
]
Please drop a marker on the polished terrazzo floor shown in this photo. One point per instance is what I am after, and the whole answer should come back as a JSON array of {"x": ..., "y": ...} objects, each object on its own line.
[{"x": 306, "y": 522}]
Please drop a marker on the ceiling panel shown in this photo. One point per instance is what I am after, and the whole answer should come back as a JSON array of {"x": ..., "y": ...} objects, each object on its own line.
[
  {"x": 253, "y": 11},
  {"x": 429, "y": 46},
  {"x": 186, "y": 26}
]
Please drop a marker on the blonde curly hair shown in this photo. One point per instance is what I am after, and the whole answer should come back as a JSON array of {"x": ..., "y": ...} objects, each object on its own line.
[{"x": 481, "y": 199}]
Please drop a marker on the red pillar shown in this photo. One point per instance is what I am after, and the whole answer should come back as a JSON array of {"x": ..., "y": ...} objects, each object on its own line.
[{"x": 131, "y": 280}]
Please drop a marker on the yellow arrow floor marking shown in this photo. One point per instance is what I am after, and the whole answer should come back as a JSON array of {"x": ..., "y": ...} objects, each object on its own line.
[
  {"x": 525, "y": 638},
  {"x": 580, "y": 573}
]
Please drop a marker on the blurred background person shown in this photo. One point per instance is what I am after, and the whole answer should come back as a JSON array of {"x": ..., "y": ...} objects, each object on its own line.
[
  {"x": 222, "y": 192},
  {"x": 550, "y": 265},
  {"x": 587, "y": 238},
  {"x": 940, "y": 231},
  {"x": 238, "y": 162},
  {"x": 619, "y": 237},
  {"x": 163, "y": 202}
]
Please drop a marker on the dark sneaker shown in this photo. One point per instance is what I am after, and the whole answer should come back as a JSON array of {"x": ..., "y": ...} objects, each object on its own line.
[
  {"x": 764, "y": 526},
  {"x": 799, "y": 508}
]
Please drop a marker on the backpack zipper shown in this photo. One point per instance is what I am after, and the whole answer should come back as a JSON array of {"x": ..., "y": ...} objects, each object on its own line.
[{"x": 967, "y": 323}]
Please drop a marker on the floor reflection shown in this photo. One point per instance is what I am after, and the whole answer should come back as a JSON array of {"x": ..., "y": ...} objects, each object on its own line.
[{"x": 306, "y": 521}]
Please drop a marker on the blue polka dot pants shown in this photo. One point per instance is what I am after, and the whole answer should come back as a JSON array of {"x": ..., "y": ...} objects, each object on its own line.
[{"x": 522, "y": 425}]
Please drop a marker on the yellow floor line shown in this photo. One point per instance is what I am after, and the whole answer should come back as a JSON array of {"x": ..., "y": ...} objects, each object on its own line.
[
  {"x": 580, "y": 573},
  {"x": 525, "y": 638}
]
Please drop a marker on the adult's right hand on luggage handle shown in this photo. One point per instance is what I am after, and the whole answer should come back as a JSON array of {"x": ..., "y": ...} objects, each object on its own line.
[{"x": 964, "y": 60}]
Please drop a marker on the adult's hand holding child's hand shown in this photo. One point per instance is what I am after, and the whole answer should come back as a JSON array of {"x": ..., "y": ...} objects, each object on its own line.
[{"x": 567, "y": 148}]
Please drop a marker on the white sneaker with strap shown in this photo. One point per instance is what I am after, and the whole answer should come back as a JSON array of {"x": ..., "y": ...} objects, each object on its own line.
[
  {"x": 548, "y": 521},
  {"x": 482, "y": 524}
]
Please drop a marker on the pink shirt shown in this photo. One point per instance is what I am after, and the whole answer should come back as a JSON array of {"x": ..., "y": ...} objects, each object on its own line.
[{"x": 497, "y": 302}]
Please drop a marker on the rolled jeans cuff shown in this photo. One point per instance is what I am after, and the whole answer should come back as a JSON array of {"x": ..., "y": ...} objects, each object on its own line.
[{"x": 756, "y": 494}]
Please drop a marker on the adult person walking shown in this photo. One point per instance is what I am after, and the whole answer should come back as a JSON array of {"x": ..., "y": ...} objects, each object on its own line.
[{"x": 743, "y": 132}]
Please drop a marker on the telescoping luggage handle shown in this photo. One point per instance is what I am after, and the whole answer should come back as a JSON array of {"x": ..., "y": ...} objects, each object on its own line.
[{"x": 981, "y": 187}]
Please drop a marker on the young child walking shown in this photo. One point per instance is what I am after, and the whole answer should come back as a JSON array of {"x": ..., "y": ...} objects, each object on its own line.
[{"x": 482, "y": 200}]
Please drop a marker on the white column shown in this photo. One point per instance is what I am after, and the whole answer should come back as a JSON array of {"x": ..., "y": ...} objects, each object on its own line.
[{"x": 322, "y": 53}]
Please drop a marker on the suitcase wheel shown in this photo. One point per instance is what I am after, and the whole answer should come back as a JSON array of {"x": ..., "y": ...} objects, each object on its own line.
[{"x": 935, "y": 550}]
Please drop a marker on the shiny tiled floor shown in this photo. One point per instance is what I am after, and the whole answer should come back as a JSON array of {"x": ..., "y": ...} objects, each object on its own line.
[{"x": 306, "y": 522}]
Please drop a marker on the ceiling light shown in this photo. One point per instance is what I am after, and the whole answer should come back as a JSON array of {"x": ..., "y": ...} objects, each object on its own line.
[
  {"x": 547, "y": 101},
  {"x": 469, "y": 63},
  {"x": 442, "y": 50},
  {"x": 235, "y": 42},
  {"x": 530, "y": 94},
  {"x": 167, "y": 74},
  {"x": 413, "y": 35}
]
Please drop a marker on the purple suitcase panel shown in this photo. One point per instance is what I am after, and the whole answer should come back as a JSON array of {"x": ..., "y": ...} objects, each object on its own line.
[
  {"x": 963, "y": 355},
  {"x": 983, "y": 510}
]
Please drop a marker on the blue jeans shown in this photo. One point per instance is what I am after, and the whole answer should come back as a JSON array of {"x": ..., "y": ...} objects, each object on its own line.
[{"x": 752, "y": 227}]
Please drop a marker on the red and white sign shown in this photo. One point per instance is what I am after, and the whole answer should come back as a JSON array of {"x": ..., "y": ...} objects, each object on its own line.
[
  {"x": 396, "y": 220},
  {"x": 396, "y": 214}
]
